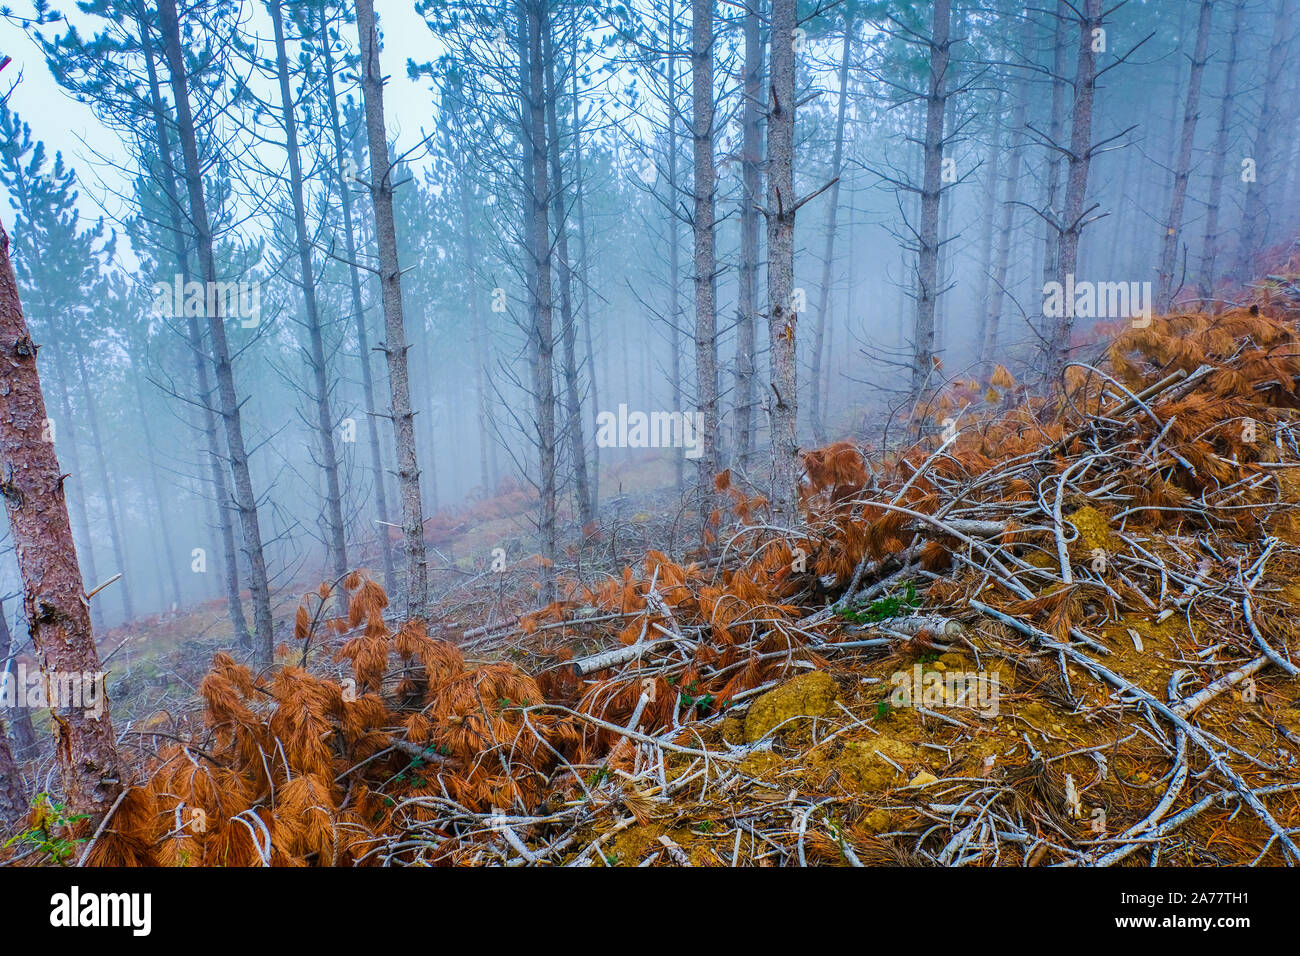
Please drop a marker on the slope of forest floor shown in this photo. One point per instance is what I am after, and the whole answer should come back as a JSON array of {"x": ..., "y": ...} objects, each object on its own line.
[{"x": 1056, "y": 633}]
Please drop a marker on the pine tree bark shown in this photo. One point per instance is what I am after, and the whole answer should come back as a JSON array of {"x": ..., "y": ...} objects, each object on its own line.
[
  {"x": 1183, "y": 164},
  {"x": 828, "y": 259},
  {"x": 358, "y": 314},
  {"x": 782, "y": 319},
  {"x": 470, "y": 247},
  {"x": 390, "y": 284},
  {"x": 991, "y": 183},
  {"x": 568, "y": 319},
  {"x": 1056, "y": 136},
  {"x": 1257, "y": 215},
  {"x": 945, "y": 267},
  {"x": 751, "y": 189},
  {"x": 674, "y": 249},
  {"x": 532, "y": 21},
  {"x": 928, "y": 238},
  {"x": 705, "y": 263},
  {"x": 244, "y": 499},
  {"x": 217, "y": 475},
  {"x": 1076, "y": 184},
  {"x": 584, "y": 277},
  {"x": 993, "y": 319},
  {"x": 66, "y": 426},
  {"x": 1219, "y": 160},
  {"x": 58, "y": 618},
  {"x": 325, "y": 434}
]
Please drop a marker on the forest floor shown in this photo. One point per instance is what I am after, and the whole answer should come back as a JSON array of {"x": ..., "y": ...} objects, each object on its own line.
[{"x": 1053, "y": 634}]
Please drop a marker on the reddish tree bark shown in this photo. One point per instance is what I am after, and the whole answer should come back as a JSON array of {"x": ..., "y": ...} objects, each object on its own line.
[{"x": 58, "y": 614}]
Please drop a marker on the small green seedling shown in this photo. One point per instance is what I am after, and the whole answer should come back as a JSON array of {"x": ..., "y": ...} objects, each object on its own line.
[
  {"x": 46, "y": 835},
  {"x": 882, "y": 609}
]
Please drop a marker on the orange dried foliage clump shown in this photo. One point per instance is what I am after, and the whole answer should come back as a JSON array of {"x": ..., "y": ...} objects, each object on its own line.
[
  {"x": 838, "y": 470},
  {"x": 305, "y": 769}
]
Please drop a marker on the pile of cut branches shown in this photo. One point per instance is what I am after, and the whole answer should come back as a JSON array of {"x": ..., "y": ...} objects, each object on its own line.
[{"x": 1057, "y": 633}]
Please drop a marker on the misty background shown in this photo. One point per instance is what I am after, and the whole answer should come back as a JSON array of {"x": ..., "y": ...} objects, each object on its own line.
[{"x": 94, "y": 228}]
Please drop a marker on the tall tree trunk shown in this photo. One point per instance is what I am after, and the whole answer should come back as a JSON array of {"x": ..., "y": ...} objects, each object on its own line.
[
  {"x": 674, "y": 250},
  {"x": 1076, "y": 184},
  {"x": 244, "y": 499},
  {"x": 1289, "y": 205},
  {"x": 216, "y": 460},
  {"x": 1219, "y": 160},
  {"x": 781, "y": 316},
  {"x": 211, "y": 521},
  {"x": 470, "y": 247},
  {"x": 220, "y": 487},
  {"x": 426, "y": 358},
  {"x": 1257, "y": 218},
  {"x": 359, "y": 314},
  {"x": 1183, "y": 164},
  {"x": 80, "y": 513},
  {"x": 20, "y": 718},
  {"x": 110, "y": 502},
  {"x": 66, "y": 426},
  {"x": 989, "y": 342},
  {"x": 984, "y": 280},
  {"x": 705, "y": 266},
  {"x": 568, "y": 319},
  {"x": 155, "y": 481},
  {"x": 674, "y": 339},
  {"x": 945, "y": 266},
  {"x": 336, "y": 543},
  {"x": 832, "y": 209},
  {"x": 395, "y": 348},
  {"x": 54, "y": 599},
  {"x": 481, "y": 402},
  {"x": 751, "y": 178},
  {"x": 584, "y": 277},
  {"x": 532, "y": 21},
  {"x": 928, "y": 238},
  {"x": 1055, "y": 135},
  {"x": 1120, "y": 251},
  {"x": 1168, "y": 142},
  {"x": 13, "y": 795}
]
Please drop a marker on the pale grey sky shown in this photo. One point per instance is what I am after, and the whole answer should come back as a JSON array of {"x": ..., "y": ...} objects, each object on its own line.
[{"x": 71, "y": 128}]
